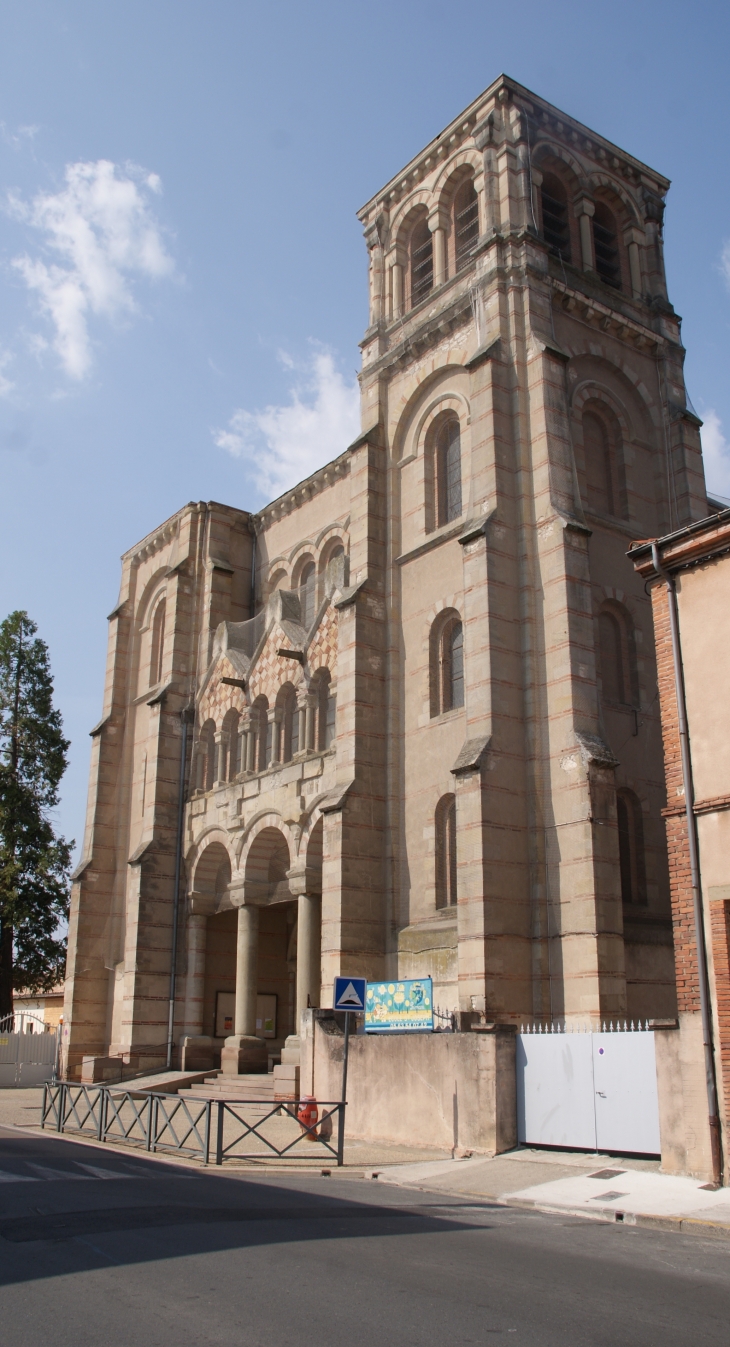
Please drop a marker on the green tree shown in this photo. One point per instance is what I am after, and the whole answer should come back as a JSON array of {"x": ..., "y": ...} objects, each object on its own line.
[{"x": 34, "y": 863}]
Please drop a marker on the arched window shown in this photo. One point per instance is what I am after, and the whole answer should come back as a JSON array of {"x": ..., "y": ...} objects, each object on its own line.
[
  {"x": 619, "y": 679},
  {"x": 277, "y": 581},
  {"x": 421, "y": 261},
  {"x": 445, "y": 822},
  {"x": 447, "y": 665},
  {"x": 289, "y": 728},
  {"x": 232, "y": 746},
  {"x": 466, "y": 223},
  {"x": 262, "y": 733},
  {"x": 448, "y": 469},
  {"x": 157, "y": 653},
  {"x": 555, "y": 221},
  {"x": 631, "y": 847},
  {"x": 308, "y": 592},
  {"x": 605, "y": 476},
  {"x": 206, "y": 756},
  {"x": 605, "y": 245}
]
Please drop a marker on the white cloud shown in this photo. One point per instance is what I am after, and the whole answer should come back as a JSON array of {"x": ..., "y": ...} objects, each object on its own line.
[
  {"x": 716, "y": 453},
  {"x": 101, "y": 227},
  {"x": 285, "y": 444}
]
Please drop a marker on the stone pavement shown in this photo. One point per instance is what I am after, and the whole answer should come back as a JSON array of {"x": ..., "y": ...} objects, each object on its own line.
[{"x": 600, "y": 1187}]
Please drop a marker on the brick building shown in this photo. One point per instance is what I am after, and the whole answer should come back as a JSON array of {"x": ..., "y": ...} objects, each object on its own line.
[
  {"x": 694, "y": 579},
  {"x": 420, "y": 686}
]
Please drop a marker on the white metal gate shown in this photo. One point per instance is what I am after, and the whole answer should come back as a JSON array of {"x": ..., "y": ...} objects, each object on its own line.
[
  {"x": 28, "y": 1052},
  {"x": 587, "y": 1089}
]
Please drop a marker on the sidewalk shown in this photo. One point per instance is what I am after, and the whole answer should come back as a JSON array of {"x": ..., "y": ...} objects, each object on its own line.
[{"x": 599, "y": 1187}]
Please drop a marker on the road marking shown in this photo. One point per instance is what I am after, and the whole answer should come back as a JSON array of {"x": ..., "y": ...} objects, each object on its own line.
[{"x": 16, "y": 1178}]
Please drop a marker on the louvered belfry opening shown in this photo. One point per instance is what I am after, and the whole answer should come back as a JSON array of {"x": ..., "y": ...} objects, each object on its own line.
[
  {"x": 421, "y": 261},
  {"x": 606, "y": 246},
  {"x": 466, "y": 223},
  {"x": 555, "y": 223}
]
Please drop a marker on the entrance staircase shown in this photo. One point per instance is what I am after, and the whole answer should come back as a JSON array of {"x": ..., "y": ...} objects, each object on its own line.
[{"x": 254, "y": 1089}]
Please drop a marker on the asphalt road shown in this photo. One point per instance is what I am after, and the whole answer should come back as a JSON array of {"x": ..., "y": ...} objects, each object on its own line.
[{"x": 121, "y": 1250}]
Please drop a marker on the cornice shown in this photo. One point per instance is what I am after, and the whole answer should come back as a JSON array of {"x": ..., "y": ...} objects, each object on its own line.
[
  {"x": 302, "y": 492},
  {"x": 546, "y": 118},
  {"x": 423, "y": 337},
  {"x": 600, "y": 315}
]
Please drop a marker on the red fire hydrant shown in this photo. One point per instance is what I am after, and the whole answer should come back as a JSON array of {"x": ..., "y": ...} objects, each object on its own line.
[{"x": 307, "y": 1115}]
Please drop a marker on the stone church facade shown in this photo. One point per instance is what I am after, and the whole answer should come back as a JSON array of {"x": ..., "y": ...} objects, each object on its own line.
[{"x": 403, "y": 721}]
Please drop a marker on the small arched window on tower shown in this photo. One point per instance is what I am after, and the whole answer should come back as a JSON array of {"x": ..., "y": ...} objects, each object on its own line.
[
  {"x": 420, "y": 260},
  {"x": 308, "y": 592},
  {"x": 619, "y": 680},
  {"x": 445, "y": 829},
  {"x": 157, "y": 652},
  {"x": 447, "y": 456},
  {"x": 447, "y": 664},
  {"x": 631, "y": 847},
  {"x": 604, "y": 465},
  {"x": 605, "y": 245},
  {"x": 466, "y": 223},
  {"x": 555, "y": 222}
]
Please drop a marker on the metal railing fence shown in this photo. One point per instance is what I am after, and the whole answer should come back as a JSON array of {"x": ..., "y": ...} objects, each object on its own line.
[
  {"x": 320, "y": 1131},
  {"x": 177, "y": 1126}
]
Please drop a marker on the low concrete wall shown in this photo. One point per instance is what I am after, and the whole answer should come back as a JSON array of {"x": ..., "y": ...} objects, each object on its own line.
[
  {"x": 452, "y": 1091},
  {"x": 683, "y": 1121}
]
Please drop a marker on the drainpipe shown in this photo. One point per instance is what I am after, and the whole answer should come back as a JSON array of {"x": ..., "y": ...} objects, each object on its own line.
[
  {"x": 187, "y": 715},
  {"x": 711, "y": 1082}
]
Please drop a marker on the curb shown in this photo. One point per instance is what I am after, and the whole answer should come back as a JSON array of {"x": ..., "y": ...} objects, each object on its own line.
[{"x": 677, "y": 1225}]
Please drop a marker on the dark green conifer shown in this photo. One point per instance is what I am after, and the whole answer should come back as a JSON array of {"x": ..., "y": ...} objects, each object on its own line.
[{"x": 34, "y": 863}]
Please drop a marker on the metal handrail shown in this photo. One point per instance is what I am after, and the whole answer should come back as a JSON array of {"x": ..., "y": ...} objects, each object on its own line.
[{"x": 167, "y": 1123}]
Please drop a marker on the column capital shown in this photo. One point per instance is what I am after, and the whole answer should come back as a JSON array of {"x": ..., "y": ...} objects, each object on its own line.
[{"x": 584, "y": 206}]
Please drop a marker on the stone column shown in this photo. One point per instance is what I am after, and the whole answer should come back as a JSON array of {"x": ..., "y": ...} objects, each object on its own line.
[
  {"x": 309, "y": 925},
  {"x": 242, "y": 747},
  {"x": 301, "y": 712},
  {"x": 221, "y": 744},
  {"x": 275, "y": 722},
  {"x": 397, "y": 279},
  {"x": 250, "y": 746},
  {"x": 309, "y": 725},
  {"x": 439, "y": 256},
  {"x": 243, "y": 1051},
  {"x": 197, "y": 1048},
  {"x": 585, "y": 210}
]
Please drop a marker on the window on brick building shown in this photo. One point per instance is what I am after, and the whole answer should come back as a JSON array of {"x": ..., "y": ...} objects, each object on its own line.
[
  {"x": 445, "y": 849},
  {"x": 420, "y": 260},
  {"x": 447, "y": 664},
  {"x": 631, "y": 847},
  {"x": 555, "y": 220},
  {"x": 466, "y": 223},
  {"x": 605, "y": 246},
  {"x": 157, "y": 653}
]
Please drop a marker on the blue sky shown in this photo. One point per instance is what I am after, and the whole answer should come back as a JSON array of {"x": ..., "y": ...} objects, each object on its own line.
[{"x": 183, "y": 275}]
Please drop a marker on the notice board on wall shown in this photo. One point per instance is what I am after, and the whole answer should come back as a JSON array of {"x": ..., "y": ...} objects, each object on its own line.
[
  {"x": 225, "y": 1005},
  {"x": 398, "y": 1007}
]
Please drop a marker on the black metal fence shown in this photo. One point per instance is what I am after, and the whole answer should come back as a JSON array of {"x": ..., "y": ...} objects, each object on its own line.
[{"x": 177, "y": 1126}]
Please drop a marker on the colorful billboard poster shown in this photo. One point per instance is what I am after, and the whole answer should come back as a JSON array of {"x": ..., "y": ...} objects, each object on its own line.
[{"x": 395, "y": 1007}]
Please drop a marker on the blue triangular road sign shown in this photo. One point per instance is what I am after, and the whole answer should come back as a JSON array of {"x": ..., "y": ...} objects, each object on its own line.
[{"x": 349, "y": 993}]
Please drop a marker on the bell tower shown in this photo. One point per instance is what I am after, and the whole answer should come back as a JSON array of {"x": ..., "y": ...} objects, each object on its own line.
[{"x": 517, "y": 294}]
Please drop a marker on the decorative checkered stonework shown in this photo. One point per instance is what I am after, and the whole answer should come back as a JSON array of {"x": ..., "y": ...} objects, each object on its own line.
[{"x": 270, "y": 671}]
